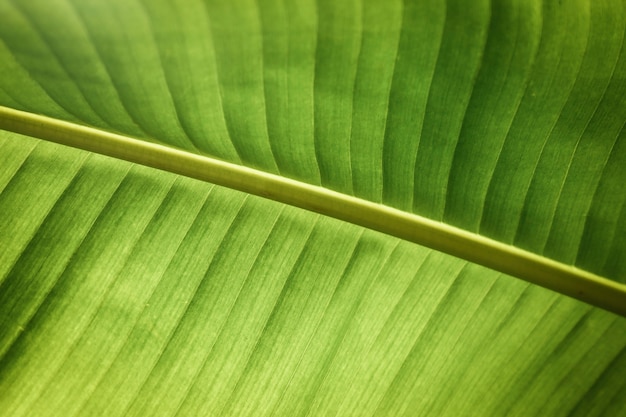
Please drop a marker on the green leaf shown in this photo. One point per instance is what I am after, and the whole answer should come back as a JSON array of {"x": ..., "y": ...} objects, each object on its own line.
[{"x": 126, "y": 290}]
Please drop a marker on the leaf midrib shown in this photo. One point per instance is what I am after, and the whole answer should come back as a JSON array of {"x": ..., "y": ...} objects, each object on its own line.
[{"x": 531, "y": 267}]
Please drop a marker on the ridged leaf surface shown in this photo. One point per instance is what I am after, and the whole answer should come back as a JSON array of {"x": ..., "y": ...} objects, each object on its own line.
[{"x": 130, "y": 291}]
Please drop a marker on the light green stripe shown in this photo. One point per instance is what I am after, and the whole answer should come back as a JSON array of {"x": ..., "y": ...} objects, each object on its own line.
[{"x": 539, "y": 270}]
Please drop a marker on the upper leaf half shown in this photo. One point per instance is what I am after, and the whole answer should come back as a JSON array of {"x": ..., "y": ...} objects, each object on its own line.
[{"x": 504, "y": 118}]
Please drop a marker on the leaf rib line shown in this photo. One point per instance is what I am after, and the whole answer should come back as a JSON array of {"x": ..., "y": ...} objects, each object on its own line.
[
  {"x": 224, "y": 324},
  {"x": 168, "y": 81},
  {"x": 116, "y": 87},
  {"x": 97, "y": 307},
  {"x": 349, "y": 324},
  {"x": 534, "y": 268},
  {"x": 41, "y": 35},
  {"x": 322, "y": 318},
  {"x": 287, "y": 282},
  {"x": 6, "y": 280}
]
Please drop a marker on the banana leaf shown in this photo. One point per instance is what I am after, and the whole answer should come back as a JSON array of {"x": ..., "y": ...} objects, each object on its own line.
[{"x": 258, "y": 286}]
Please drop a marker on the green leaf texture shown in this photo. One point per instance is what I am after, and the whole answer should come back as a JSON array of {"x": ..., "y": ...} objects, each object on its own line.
[{"x": 130, "y": 291}]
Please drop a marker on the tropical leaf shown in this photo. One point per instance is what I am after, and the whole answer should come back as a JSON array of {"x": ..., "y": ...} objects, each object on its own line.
[{"x": 126, "y": 290}]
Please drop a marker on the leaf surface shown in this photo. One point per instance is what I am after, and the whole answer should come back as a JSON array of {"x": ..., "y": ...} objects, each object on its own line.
[{"x": 130, "y": 291}]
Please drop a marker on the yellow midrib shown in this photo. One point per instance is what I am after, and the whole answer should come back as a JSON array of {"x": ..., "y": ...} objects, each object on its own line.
[{"x": 511, "y": 260}]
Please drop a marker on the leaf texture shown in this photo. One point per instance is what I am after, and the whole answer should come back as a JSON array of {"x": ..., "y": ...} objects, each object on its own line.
[
  {"x": 129, "y": 291},
  {"x": 424, "y": 106},
  {"x": 161, "y": 295}
]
